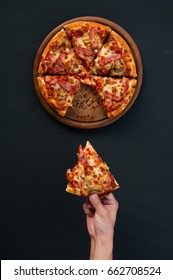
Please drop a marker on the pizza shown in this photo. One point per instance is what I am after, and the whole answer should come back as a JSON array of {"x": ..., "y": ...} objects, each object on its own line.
[
  {"x": 114, "y": 94},
  {"x": 90, "y": 175},
  {"x": 59, "y": 57},
  {"x": 59, "y": 91},
  {"x": 87, "y": 38},
  {"x": 114, "y": 58},
  {"x": 87, "y": 53}
]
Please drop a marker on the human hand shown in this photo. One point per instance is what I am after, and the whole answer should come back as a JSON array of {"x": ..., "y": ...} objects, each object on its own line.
[{"x": 101, "y": 218}]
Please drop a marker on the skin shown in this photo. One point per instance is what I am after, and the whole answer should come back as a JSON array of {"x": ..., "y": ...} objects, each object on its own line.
[{"x": 101, "y": 218}]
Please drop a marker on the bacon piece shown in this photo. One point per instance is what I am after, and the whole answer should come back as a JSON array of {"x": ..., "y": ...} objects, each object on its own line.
[
  {"x": 126, "y": 85},
  {"x": 107, "y": 95},
  {"x": 51, "y": 80},
  {"x": 93, "y": 42},
  {"x": 62, "y": 81},
  {"x": 82, "y": 52},
  {"x": 111, "y": 58},
  {"x": 59, "y": 63},
  {"x": 47, "y": 79},
  {"x": 68, "y": 86},
  {"x": 104, "y": 60}
]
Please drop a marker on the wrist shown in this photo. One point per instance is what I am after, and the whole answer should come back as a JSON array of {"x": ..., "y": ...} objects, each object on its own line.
[{"x": 102, "y": 247}]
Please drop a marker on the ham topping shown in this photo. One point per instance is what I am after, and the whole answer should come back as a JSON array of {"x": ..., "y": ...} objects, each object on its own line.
[
  {"x": 68, "y": 86},
  {"x": 84, "y": 52}
]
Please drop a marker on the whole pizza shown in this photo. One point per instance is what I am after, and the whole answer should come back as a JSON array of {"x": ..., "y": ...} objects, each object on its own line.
[{"x": 87, "y": 54}]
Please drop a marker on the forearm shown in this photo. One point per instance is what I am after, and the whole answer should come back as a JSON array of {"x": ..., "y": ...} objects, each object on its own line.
[{"x": 101, "y": 248}]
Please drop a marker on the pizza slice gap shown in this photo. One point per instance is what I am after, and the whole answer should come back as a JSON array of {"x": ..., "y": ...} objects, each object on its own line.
[
  {"x": 90, "y": 175},
  {"x": 87, "y": 38},
  {"x": 59, "y": 91},
  {"x": 115, "y": 93},
  {"x": 60, "y": 58},
  {"x": 115, "y": 58}
]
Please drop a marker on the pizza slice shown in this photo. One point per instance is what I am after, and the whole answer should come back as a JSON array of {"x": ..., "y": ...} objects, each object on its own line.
[
  {"x": 87, "y": 38},
  {"x": 60, "y": 58},
  {"x": 90, "y": 175},
  {"x": 115, "y": 58},
  {"x": 115, "y": 93},
  {"x": 59, "y": 91}
]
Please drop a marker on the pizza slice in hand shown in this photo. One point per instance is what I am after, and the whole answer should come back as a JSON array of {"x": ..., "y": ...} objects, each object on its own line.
[
  {"x": 114, "y": 58},
  {"x": 59, "y": 91},
  {"x": 87, "y": 38},
  {"x": 90, "y": 175},
  {"x": 60, "y": 58}
]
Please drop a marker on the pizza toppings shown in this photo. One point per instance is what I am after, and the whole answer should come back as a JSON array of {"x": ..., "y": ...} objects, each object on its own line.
[
  {"x": 87, "y": 38},
  {"x": 59, "y": 91},
  {"x": 60, "y": 58},
  {"x": 115, "y": 94},
  {"x": 90, "y": 175},
  {"x": 92, "y": 54},
  {"x": 114, "y": 58}
]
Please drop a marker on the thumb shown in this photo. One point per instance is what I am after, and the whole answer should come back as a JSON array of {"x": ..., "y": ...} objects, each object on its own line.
[{"x": 96, "y": 203}]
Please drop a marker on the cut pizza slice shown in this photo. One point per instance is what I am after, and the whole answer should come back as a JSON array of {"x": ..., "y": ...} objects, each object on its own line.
[
  {"x": 59, "y": 91},
  {"x": 115, "y": 58},
  {"x": 87, "y": 38},
  {"x": 90, "y": 175},
  {"x": 60, "y": 58},
  {"x": 115, "y": 93}
]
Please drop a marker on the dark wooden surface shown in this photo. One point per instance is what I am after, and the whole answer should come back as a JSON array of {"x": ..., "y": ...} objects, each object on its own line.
[{"x": 38, "y": 220}]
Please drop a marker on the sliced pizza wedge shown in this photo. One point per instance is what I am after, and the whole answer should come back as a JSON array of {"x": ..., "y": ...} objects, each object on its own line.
[
  {"x": 60, "y": 58},
  {"x": 90, "y": 175},
  {"x": 115, "y": 93},
  {"x": 87, "y": 38},
  {"x": 59, "y": 91},
  {"x": 115, "y": 58}
]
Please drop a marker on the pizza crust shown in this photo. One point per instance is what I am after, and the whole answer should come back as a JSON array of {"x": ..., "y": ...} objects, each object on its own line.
[
  {"x": 90, "y": 24},
  {"x": 126, "y": 100},
  {"x": 128, "y": 56},
  {"x": 60, "y": 39},
  {"x": 114, "y": 59},
  {"x": 56, "y": 104},
  {"x": 90, "y": 175},
  {"x": 59, "y": 98}
]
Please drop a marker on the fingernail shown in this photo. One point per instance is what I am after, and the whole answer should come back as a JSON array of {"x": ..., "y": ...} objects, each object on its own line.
[{"x": 94, "y": 196}]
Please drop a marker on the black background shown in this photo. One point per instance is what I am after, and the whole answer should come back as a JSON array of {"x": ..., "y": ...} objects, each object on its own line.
[{"x": 39, "y": 220}]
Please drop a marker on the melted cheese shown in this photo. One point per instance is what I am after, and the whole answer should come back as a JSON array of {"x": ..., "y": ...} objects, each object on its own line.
[
  {"x": 80, "y": 42},
  {"x": 91, "y": 176},
  {"x": 105, "y": 52}
]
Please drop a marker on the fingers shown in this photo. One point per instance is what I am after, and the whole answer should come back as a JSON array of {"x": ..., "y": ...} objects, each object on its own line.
[
  {"x": 96, "y": 203},
  {"x": 88, "y": 210},
  {"x": 110, "y": 200}
]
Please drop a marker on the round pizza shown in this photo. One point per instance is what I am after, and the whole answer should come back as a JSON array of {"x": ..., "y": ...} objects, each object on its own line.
[{"x": 87, "y": 53}]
